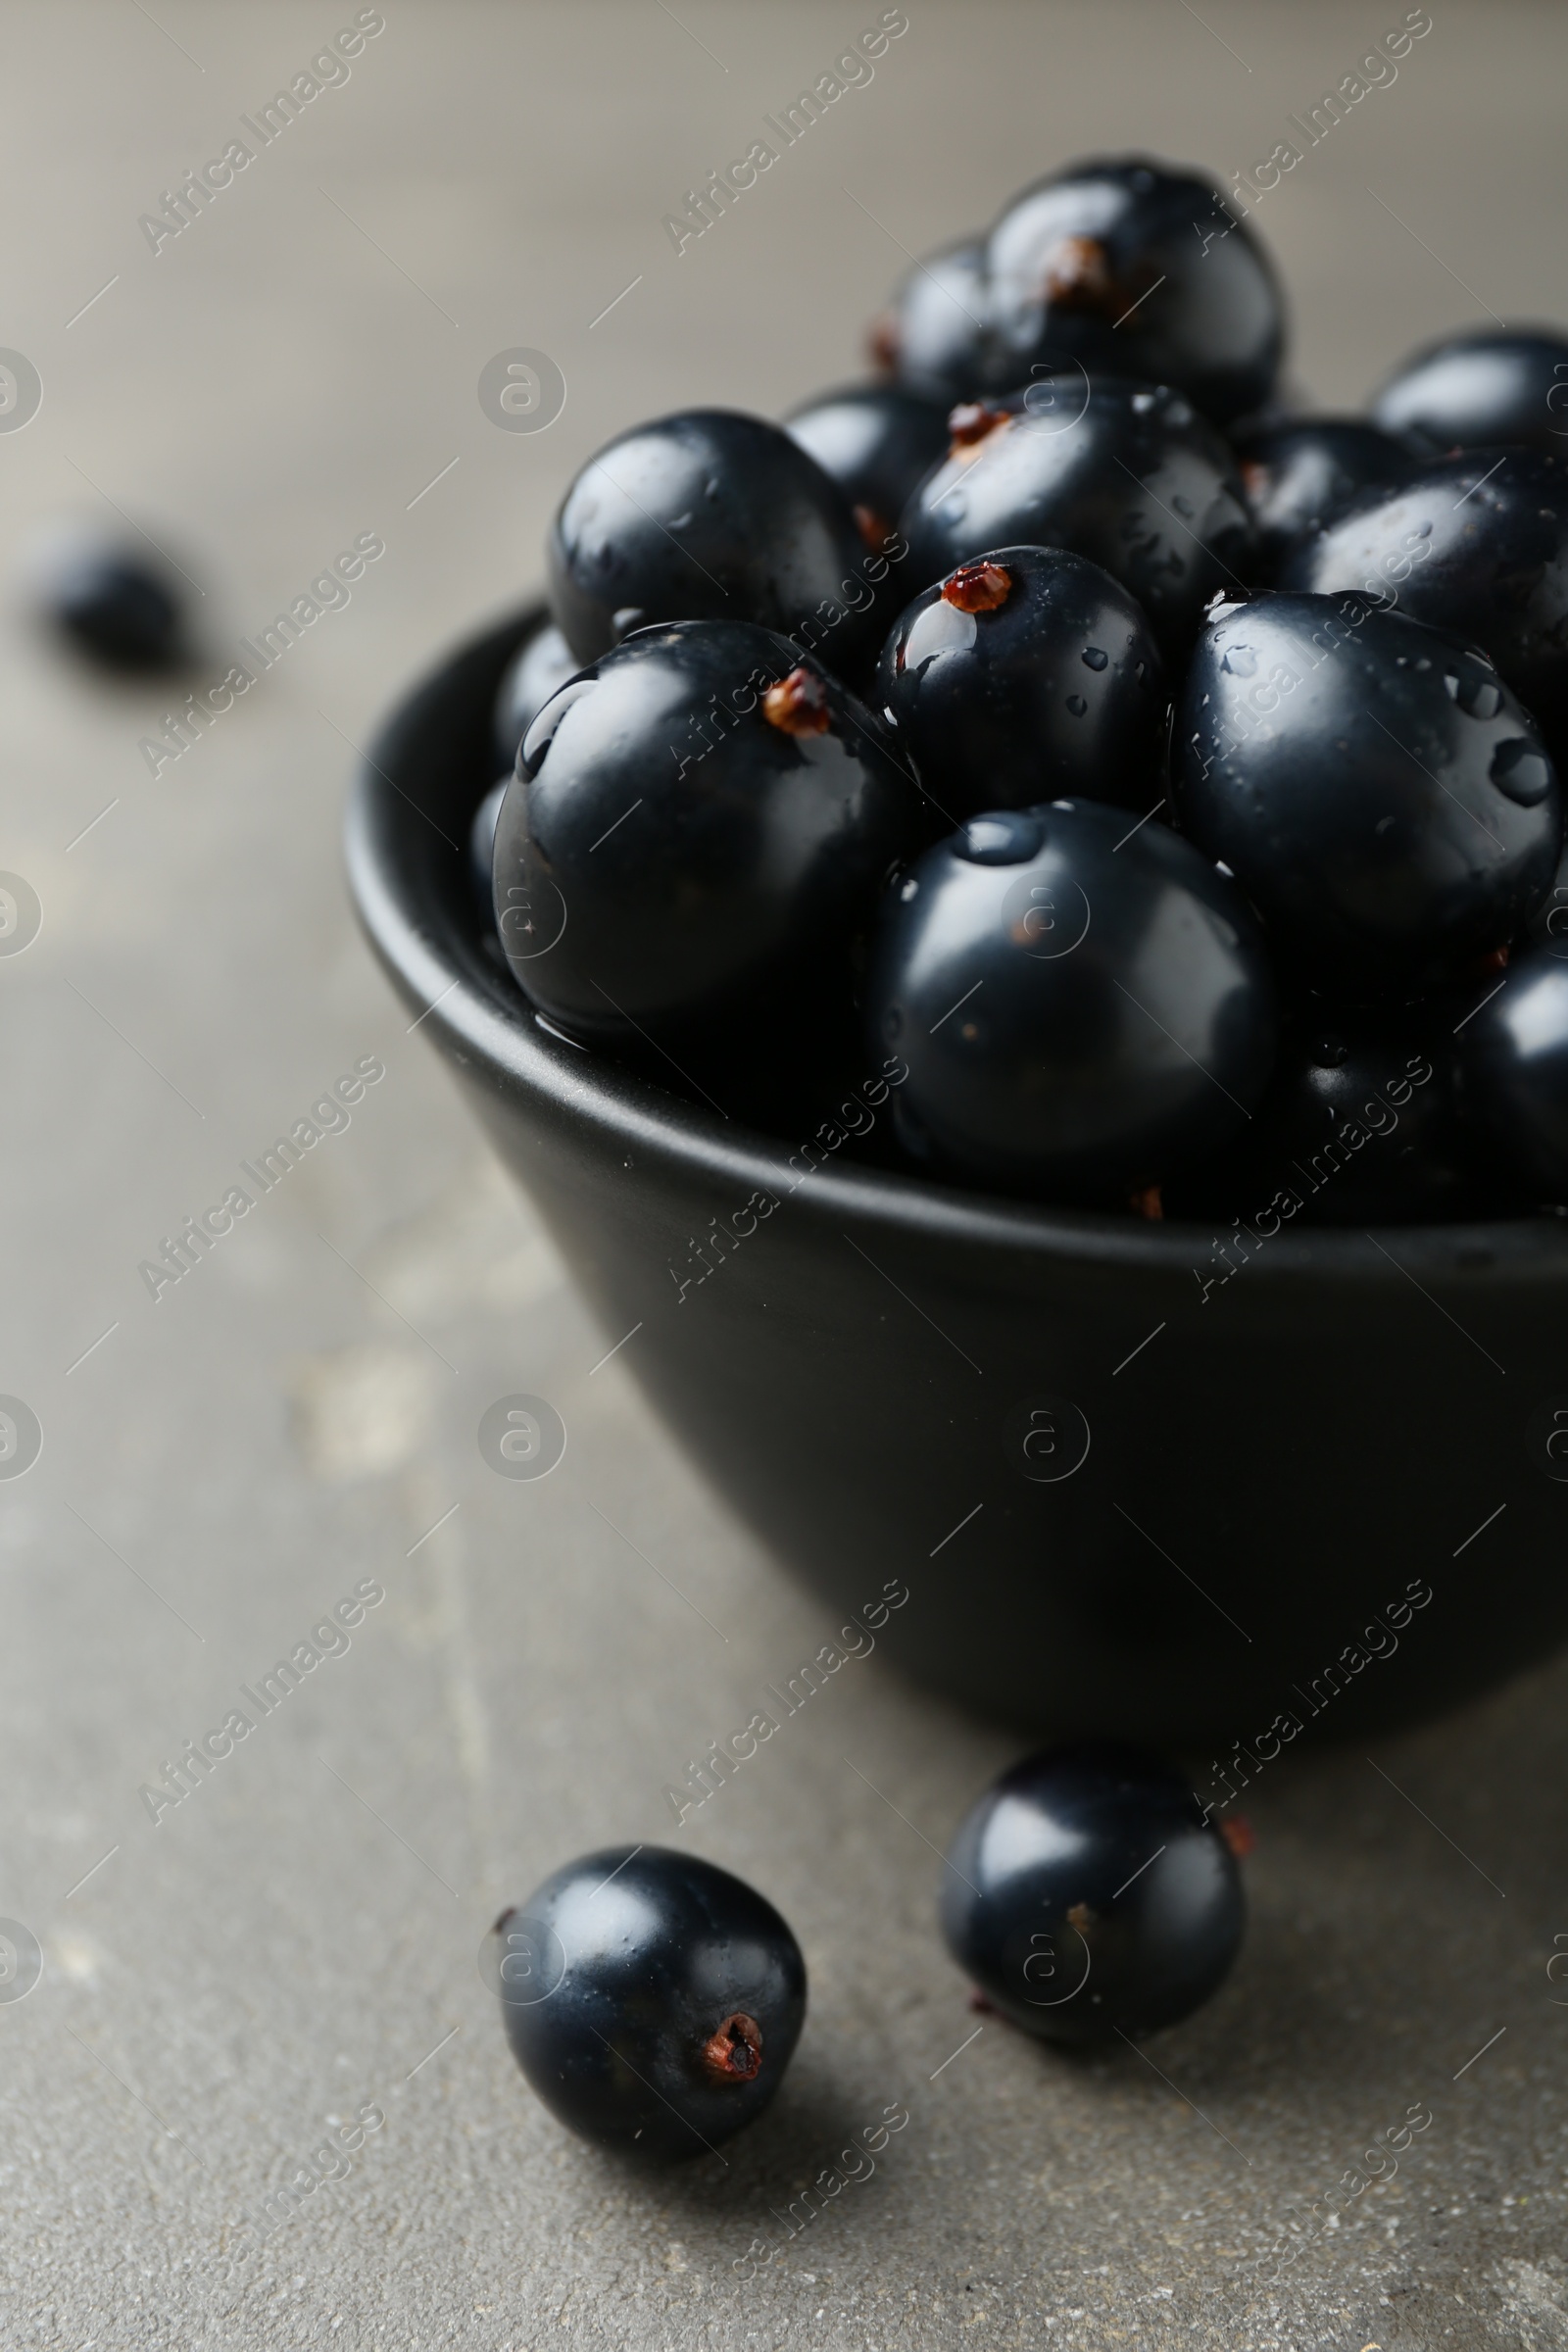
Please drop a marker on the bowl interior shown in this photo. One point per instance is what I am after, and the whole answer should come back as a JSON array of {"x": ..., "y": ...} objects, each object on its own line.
[{"x": 406, "y": 852}]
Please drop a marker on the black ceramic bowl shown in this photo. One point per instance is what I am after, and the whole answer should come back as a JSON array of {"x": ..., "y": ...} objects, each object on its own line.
[{"x": 1127, "y": 1490}]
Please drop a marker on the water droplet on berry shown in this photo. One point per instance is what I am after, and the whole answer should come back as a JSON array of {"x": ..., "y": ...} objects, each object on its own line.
[
  {"x": 1239, "y": 661},
  {"x": 1076, "y": 704},
  {"x": 1478, "y": 698},
  {"x": 1094, "y": 658},
  {"x": 1521, "y": 771},
  {"x": 1007, "y": 837}
]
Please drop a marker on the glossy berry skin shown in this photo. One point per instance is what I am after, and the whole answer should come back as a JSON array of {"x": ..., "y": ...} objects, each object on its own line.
[
  {"x": 877, "y": 442},
  {"x": 934, "y": 337},
  {"x": 651, "y": 1999},
  {"x": 542, "y": 662},
  {"x": 1361, "y": 1125},
  {"x": 1080, "y": 1019},
  {"x": 708, "y": 515},
  {"x": 1089, "y": 1896},
  {"x": 1486, "y": 558},
  {"x": 1131, "y": 268},
  {"x": 1384, "y": 800},
  {"x": 1481, "y": 390},
  {"x": 1029, "y": 675},
  {"x": 1127, "y": 474},
  {"x": 699, "y": 824},
  {"x": 1514, "y": 1063},
  {"x": 1301, "y": 471},
  {"x": 112, "y": 604}
]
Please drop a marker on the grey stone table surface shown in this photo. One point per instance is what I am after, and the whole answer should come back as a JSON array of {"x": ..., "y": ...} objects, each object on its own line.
[{"x": 295, "y": 1420}]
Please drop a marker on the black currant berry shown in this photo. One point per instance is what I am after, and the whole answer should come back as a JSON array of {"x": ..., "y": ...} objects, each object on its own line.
[
  {"x": 878, "y": 443},
  {"x": 652, "y": 2000},
  {"x": 1083, "y": 1003},
  {"x": 1378, "y": 791},
  {"x": 542, "y": 662},
  {"x": 1361, "y": 1125},
  {"x": 709, "y": 516},
  {"x": 698, "y": 826},
  {"x": 1480, "y": 390},
  {"x": 1136, "y": 269},
  {"x": 111, "y": 600},
  {"x": 1513, "y": 1059},
  {"x": 1476, "y": 545},
  {"x": 934, "y": 336},
  {"x": 1027, "y": 675},
  {"x": 1125, "y": 473},
  {"x": 1088, "y": 1895},
  {"x": 1300, "y": 472}
]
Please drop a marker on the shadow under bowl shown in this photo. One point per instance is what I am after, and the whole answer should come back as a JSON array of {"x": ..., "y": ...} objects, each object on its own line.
[{"x": 1125, "y": 1490}]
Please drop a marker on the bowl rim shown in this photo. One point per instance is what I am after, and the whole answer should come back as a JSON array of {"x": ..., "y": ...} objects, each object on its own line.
[{"x": 423, "y": 932}]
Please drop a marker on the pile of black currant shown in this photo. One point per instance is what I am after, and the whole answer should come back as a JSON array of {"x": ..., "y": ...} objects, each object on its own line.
[
  {"x": 1161, "y": 782},
  {"x": 653, "y": 2001}
]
